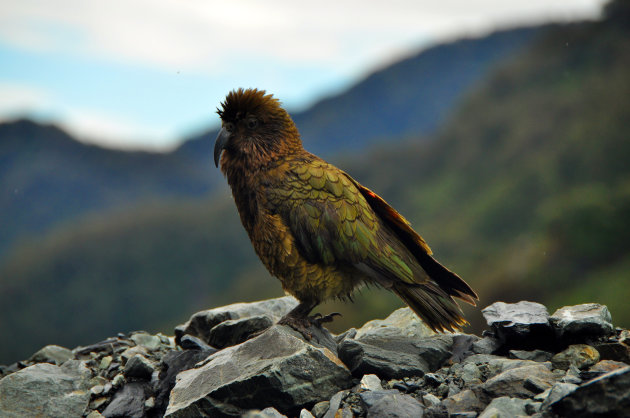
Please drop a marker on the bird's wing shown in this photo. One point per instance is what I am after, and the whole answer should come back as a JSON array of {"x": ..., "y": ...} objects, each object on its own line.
[{"x": 332, "y": 222}]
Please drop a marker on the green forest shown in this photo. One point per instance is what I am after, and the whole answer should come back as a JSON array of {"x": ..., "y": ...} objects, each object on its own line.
[{"x": 524, "y": 191}]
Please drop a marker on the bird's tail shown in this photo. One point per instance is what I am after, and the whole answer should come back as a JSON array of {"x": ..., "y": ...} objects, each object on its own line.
[{"x": 438, "y": 309}]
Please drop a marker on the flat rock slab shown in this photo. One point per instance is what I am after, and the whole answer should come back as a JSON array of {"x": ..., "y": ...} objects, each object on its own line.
[
  {"x": 524, "y": 325},
  {"x": 277, "y": 369},
  {"x": 574, "y": 323},
  {"x": 43, "y": 389},
  {"x": 391, "y": 403},
  {"x": 201, "y": 323},
  {"x": 520, "y": 382},
  {"x": 608, "y": 395}
]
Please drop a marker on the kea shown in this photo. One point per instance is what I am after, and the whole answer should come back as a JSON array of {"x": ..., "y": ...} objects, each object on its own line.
[{"x": 316, "y": 228}]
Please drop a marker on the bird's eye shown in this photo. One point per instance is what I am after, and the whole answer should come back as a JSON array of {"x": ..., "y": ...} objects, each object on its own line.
[
  {"x": 252, "y": 123},
  {"x": 229, "y": 126}
]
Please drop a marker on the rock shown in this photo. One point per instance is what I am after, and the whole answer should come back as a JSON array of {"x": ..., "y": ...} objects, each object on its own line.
[
  {"x": 52, "y": 354},
  {"x": 613, "y": 350},
  {"x": 575, "y": 323},
  {"x": 391, "y": 403},
  {"x": 265, "y": 413},
  {"x": 173, "y": 363},
  {"x": 277, "y": 368},
  {"x": 517, "y": 383},
  {"x": 602, "y": 368},
  {"x": 505, "y": 407},
  {"x": 492, "y": 365},
  {"x": 486, "y": 345},
  {"x": 127, "y": 402},
  {"x": 371, "y": 382},
  {"x": 581, "y": 356},
  {"x": 235, "y": 331},
  {"x": 146, "y": 340},
  {"x": 522, "y": 325},
  {"x": 431, "y": 400},
  {"x": 362, "y": 358},
  {"x": 608, "y": 395},
  {"x": 43, "y": 389},
  {"x": 335, "y": 403},
  {"x": 400, "y": 323},
  {"x": 535, "y": 355},
  {"x": 464, "y": 401},
  {"x": 320, "y": 408},
  {"x": 200, "y": 324},
  {"x": 139, "y": 367},
  {"x": 557, "y": 391},
  {"x": 305, "y": 413},
  {"x": 188, "y": 342}
]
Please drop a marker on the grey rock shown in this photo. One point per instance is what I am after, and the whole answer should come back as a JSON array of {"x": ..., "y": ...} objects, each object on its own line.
[
  {"x": 581, "y": 356},
  {"x": 43, "y": 389},
  {"x": 362, "y": 358},
  {"x": 235, "y": 331},
  {"x": 462, "y": 346},
  {"x": 430, "y": 400},
  {"x": 464, "y": 401},
  {"x": 370, "y": 382},
  {"x": 139, "y": 367},
  {"x": 146, "y": 340},
  {"x": 468, "y": 372},
  {"x": 391, "y": 403},
  {"x": 189, "y": 342},
  {"x": 601, "y": 368},
  {"x": 608, "y": 395},
  {"x": 493, "y": 365},
  {"x": 277, "y": 368},
  {"x": 200, "y": 324},
  {"x": 514, "y": 382},
  {"x": 534, "y": 355},
  {"x": 400, "y": 323},
  {"x": 335, "y": 403},
  {"x": 557, "y": 391},
  {"x": 127, "y": 402},
  {"x": 523, "y": 325},
  {"x": 52, "y": 354},
  {"x": 265, "y": 413},
  {"x": 590, "y": 320},
  {"x": 305, "y": 413},
  {"x": 486, "y": 345},
  {"x": 505, "y": 407},
  {"x": 613, "y": 350},
  {"x": 320, "y": 408}
]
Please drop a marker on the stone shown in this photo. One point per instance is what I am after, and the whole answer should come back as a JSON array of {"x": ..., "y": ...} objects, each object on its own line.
[
  {"x": 320, "y": 408},
  {"x": 52, "y": 354},
  {"x": 139, "y": 367},
  {"x": 464, "y": 401},
  {"x": 462, "y": 347},
  {"x": 188, "y": 342},
  {"x": 105, "y": 362},
  {"x": 468, "y": 372},
  {"x": 391, "y": 403},
  {"x": 200, "y": 324},
  {"x": 522, "y": 325},
  {"x": 601, "y": 368},
  {"x": 305, "y": 413},
  {"x": 173, "y": 363},
  {"x": 534, "y": 355},
  {"x": 370, "y": 382},
  {"x": 431, "y": 400},
  {"x": 581, "y": 356},
  {"x": 486, "y": 345},
  {"x": 613, "y": 350},
  {"x": 557, "y": 391},
  {"x": 492, "y": 365},
  {"x": 277, "y": 368},
  {"x": 334, "y": 404},
  {"x": 265, "y": 413},
  {"x": 94, "y": 414},
  {"x": 43, "y": 389},
  {"x": 235, "y": 331},
  {"x": 514, "y": 382},
  {"x": 362, "y": 358},
  {"x": 505, "y": 407},
  {"x": 402, "y": 322},
  {"x": 146, "y": 340},
  {"x": 127, "y": 402},
  {"x": 608, "y": 395},
  {"x": 589, "y": 320}
]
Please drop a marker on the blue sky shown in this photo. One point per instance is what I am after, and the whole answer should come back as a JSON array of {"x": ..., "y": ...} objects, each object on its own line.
[{"x": 145, "y": 73}]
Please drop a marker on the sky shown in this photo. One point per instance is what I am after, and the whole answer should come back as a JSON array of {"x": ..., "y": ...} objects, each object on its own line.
[{"x": 147, "y": 73}]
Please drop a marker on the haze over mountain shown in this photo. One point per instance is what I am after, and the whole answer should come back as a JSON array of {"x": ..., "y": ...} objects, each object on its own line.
[{"x": 524, "y": 190}]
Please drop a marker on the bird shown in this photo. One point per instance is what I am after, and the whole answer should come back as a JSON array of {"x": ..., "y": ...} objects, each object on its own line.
[{"x": 318, "y": 230}]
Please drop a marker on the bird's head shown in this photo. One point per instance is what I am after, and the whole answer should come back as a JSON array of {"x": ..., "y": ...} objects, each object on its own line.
[{"x": 255, "y": 129}]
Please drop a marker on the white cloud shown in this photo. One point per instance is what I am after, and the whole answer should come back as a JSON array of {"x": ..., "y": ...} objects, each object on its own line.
[
  {"x": 18, "y": 99},
  {"x": 215, "y": 36}
]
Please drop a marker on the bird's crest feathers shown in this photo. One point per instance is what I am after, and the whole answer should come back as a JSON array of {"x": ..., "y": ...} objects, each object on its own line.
[{"x": 242, "y": 102}]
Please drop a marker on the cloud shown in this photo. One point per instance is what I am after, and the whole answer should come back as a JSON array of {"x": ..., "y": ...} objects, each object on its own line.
[
  {"x": 18, "y": 99},
  {"x": 215, "y": 36}
]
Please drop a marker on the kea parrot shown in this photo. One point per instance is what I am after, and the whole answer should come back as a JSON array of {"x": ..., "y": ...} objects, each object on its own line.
[{"x": 316, "y": 228}]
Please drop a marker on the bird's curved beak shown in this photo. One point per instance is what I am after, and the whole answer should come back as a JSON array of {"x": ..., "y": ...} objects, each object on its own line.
[{"x": 220, "y": 143}]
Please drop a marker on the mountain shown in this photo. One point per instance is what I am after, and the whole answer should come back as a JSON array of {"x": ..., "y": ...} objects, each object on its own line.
[
  {"x": 525, "y": 192},
  {"x": 48, "y": 177},
  {"x": 406, "y": 98}
]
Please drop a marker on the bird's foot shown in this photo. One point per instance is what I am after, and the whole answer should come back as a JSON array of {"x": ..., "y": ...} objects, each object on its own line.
[{"x": 303, "y": 324}]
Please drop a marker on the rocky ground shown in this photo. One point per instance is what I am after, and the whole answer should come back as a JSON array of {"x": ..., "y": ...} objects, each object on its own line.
[{"x": 232, "y": 361}]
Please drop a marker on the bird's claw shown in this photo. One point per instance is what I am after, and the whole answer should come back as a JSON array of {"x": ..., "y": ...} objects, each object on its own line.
[{"x": 319, "y": 319}]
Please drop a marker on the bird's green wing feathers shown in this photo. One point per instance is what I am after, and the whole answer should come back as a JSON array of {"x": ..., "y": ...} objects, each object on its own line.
[{"x": 332, "y": 222}]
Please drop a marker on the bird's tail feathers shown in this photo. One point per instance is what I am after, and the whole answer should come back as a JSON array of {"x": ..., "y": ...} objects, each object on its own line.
[{"x": 436, "y": 308}]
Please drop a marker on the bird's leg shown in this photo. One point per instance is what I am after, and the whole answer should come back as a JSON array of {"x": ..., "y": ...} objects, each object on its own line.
[{"x": 299, "y": 320}]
